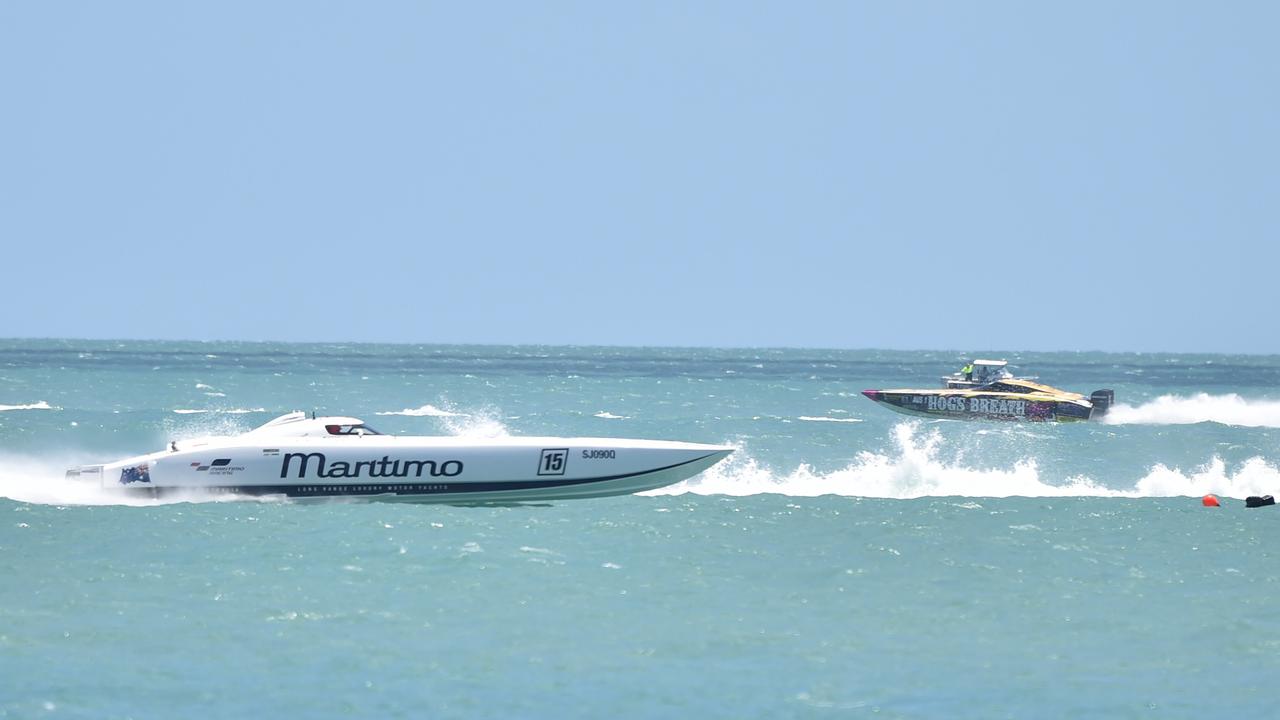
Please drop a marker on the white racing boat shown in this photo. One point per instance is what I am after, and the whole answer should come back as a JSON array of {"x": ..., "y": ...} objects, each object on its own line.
[{"x": 300, "y": 457}]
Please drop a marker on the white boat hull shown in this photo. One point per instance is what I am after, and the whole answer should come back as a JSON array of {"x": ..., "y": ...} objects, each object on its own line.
[{"x": 408, "y": 469}]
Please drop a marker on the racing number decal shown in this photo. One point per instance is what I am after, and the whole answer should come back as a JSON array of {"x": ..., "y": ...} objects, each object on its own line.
[{"x": 553, "y": 461}]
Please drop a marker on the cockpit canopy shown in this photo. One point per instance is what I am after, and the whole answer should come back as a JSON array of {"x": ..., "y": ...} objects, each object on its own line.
[
  {"x": 297, "y": 424},
  {"x": 358, "y": 429},
  {"x": 985, "y": 371},
  {"x": 978, "y": 373}
]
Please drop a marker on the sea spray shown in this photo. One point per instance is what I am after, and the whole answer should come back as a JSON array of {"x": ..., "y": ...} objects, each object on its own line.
[
  {"x": 915, "y": 469},
  {"x": 1230, "y": 409},
  {"x": 422, "y": 411}
]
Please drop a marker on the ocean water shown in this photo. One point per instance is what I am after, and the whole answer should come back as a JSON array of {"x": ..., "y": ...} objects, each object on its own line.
[{"x": 847, "y": 561}]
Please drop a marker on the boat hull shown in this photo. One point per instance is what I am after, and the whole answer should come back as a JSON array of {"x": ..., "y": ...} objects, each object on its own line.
[
  {"x": 978, "y": 405},
  {"x": 432, "y": 470}
]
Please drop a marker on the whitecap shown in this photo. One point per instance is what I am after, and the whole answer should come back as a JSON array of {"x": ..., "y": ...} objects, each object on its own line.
[
  {"x": 424, "y": 411},
  {"x": 42, "y": 405},
  {"x": 218, "y": 411}
]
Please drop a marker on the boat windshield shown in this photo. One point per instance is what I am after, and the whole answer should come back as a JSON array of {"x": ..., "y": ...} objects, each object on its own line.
[
  {"x": 990, "y": 373},
  {"x": 1009, "y": 388},
  {"x": 350, "y": 430}
]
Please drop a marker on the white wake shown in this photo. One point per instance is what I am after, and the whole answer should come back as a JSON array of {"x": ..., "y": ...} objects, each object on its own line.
[
  {"x": 914, "y": 469},
  {"x": 1230, "y": 409}
]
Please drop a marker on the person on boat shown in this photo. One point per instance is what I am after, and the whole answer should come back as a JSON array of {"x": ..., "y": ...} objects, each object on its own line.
[{"x": 967, "y": 371}]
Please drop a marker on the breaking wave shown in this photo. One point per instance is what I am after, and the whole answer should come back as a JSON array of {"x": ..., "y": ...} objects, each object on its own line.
[
  {"x": 192, "y": 426},
  {"x": 232, "y": 411},
  {"x": 485, "y": 424},
  {"x": 914, "y": 469},
  {"x": 480, "y": 423},
  {"x": 424, "y": 411},
  {"x": 42, "y": 405},
  {"x": 1230, "y": 409}
]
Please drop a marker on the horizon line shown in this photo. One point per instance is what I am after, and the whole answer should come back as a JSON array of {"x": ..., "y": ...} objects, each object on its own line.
[{"x": 958, "y": 352}]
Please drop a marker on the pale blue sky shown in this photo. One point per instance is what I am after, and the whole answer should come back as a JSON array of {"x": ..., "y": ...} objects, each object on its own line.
[{"x": 817, "y": 174}]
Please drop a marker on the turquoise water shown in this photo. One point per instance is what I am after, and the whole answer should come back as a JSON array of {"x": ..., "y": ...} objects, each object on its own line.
[{"x": 847, "y": 561}]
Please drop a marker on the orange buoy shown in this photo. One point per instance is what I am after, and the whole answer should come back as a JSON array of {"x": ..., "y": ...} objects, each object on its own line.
[{"x": 1210, "y": 501}]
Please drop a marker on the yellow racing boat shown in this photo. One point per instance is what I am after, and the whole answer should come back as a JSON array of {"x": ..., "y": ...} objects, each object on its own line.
[{"x": 986, "y": 390}]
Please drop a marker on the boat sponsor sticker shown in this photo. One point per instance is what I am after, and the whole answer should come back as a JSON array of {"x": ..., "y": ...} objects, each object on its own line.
[
  {"x": 998, "y": 406},
  {"x": 220, "y": 466},
  {"x": 953, "y": 403},
  {"x": 979, "y": 406},
  {"x": 1040, "y": 410},
  {"x": 384, "y": 468}
]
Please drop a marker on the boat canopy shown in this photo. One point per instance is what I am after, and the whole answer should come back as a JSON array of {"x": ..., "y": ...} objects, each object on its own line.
[
  {"x": 985, "y": 371},
  {"x": 297, "y": 424},
  {"x": 978, "y": 373}
]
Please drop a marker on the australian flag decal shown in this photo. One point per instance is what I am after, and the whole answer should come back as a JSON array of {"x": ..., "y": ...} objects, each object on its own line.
[{"x": 141, "y": 473}]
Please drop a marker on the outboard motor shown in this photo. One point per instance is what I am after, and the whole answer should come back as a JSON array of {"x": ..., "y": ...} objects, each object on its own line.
[{"x": 1102, "y": 400}]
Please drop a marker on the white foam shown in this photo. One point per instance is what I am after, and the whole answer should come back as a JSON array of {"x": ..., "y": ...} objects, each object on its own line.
[
  {"x": 484, "y": 424},
  {"x": 42, "y": 405},
  {"x": 480, "y": 423},
  {"x": 43, "y": 481},
  {"x": 424, "y": 411},
  {"x": 201, "y": 425},
  {"x": 808, "y": 418},
  {"x": 604, "y": 414},
  {"x": 914, "y": 470},
  {"x": 1254, "y": 477},
  {"x": 1230, "y": 409},
  {"x": 230, "y": 411}
]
